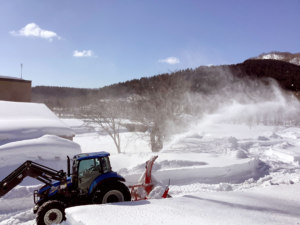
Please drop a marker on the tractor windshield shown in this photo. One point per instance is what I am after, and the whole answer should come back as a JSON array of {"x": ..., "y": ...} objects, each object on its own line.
[
  {"x": 89, "y": 166},
  {"x": 88, "y": 170}
]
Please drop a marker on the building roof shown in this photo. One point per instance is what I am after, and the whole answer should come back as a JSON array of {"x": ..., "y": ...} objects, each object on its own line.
[{"x": 7, "y": 78}]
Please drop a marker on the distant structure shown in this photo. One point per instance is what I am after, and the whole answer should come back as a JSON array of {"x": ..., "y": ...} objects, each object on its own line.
[{"x": 15, "y": 89}]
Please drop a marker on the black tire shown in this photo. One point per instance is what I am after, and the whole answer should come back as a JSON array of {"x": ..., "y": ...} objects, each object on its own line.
[
  {"x": 111, "y": 192},
  {"x": 51, "y": 212}
]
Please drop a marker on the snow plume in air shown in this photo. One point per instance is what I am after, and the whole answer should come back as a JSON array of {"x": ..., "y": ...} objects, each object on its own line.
[
  {"x": 224, "y": 105},
  {"x": 226, "y": 98},
  {"x": 218, "y": 97},
  {"x": 33, "y": 30}
]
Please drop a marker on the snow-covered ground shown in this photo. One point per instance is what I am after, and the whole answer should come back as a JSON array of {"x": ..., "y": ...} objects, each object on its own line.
[
  {"x": 227, "y": 174},
  {"x": 257, "y": 206},
  {"x": 248, "y": 174},
  {"x": 222, "y": 170}
]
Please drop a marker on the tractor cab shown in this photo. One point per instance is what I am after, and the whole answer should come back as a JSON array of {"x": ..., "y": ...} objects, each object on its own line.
[{"x": 87, "y": 167}]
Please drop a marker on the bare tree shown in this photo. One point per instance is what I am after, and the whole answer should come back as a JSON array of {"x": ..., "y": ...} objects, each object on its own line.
[
  {"x": 159, "y": 108},
  {"x": 107, "y": 115}
]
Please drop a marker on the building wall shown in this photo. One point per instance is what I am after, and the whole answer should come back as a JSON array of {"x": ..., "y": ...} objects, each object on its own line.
[{"x": 15, "y": 90}]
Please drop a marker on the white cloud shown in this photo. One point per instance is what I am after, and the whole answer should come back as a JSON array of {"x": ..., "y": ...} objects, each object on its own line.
[
  {"x": 83, "y": 53},
  {"x": 33, "y": 30},
  {"x": 170, "y": 60}
]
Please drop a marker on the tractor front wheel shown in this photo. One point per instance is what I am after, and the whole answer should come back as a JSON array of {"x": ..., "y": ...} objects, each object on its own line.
[
  {"x": 51, "y": 212},
  {"x": 112, "y": 192}
]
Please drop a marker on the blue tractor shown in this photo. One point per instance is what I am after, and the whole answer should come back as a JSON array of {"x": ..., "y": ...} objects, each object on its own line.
[{"x": 91, "y": 181}]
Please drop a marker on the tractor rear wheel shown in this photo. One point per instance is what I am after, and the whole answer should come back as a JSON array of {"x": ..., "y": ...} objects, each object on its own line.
[
  {"x": 51, "y": 212},
  {"x": 112, "y": 192}
]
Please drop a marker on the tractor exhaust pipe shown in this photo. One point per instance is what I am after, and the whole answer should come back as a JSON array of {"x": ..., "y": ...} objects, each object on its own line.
[{"x": 68, "y": 162}]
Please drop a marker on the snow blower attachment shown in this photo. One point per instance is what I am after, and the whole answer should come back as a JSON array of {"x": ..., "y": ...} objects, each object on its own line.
[{"x": 148, "y": 187}]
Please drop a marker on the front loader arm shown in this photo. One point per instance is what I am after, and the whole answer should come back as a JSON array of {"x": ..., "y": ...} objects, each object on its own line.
[{"x": 31, "y": 169}]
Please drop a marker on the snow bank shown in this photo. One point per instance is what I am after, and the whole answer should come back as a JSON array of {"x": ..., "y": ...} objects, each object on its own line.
[
  {"x": 20, "y": 194},
  {"x": 19, "y": 121},
  {"x": 260, "y": 206},
  {"x": 237, "y": 171},
  {"x": 48, "y": 150}
]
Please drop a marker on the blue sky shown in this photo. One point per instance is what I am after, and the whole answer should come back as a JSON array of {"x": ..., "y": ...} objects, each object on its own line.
[{"x": 93, "y": 43}]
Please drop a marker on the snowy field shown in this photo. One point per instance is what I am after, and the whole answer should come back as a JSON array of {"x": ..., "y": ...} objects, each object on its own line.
[
  {"x": 222, "y": 170},
  {"x": 215, "y": 179}
]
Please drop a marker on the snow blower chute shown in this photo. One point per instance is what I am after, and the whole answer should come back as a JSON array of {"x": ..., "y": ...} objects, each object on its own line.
[{"x": 147, "y": 185}]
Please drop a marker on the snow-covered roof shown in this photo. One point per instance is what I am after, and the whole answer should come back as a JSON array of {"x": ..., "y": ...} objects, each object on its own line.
[
  {"x": 19, "y": 121},
  {"x": 12, "y": 78}
]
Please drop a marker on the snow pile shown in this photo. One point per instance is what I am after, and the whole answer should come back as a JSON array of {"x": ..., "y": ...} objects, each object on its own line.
[
  {"x": 217, "y": 169},
  {"x": 19, "y": 121},
  {"x": 47, "y": 150},
  {"x": 259, "y": 206}
]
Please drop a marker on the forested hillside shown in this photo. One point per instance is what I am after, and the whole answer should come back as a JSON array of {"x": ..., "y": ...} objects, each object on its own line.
[{"x": 201, "y": 79}]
